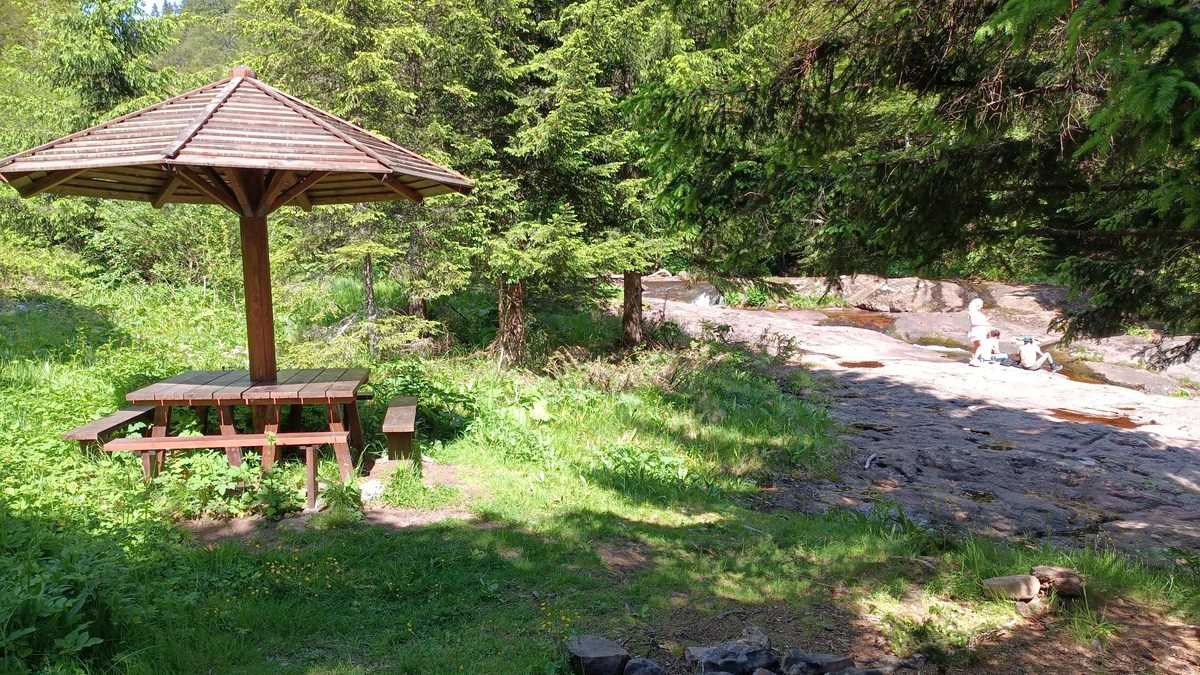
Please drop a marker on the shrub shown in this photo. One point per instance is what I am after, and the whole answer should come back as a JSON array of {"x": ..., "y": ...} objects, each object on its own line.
[{"x": 63, "y": 597}]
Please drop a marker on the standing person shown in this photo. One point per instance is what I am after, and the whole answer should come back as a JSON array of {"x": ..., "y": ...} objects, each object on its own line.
[
  {"x": 980, "y": 326},
  {"x": 1033, "y": 358}
]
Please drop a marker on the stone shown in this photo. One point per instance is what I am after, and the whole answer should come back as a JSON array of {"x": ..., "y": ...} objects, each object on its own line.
[
  {"x": 1033, "y": 609},
  {"x": 798, "y": 662},
  {"x": 595, "y": 655},
  {"x": 1066, "y": 582},
  {"x": 737, "y": 657},
  {"x": 1015, "y": 587},
  {"x": 641, "y": 666},
  {"x": 764, "y": 671},
  {"x": 755, "y": 635}
]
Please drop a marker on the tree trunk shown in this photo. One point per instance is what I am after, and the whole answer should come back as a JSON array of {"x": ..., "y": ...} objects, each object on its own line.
[
  {"x": 369, "y": 301},
  {"x": 419, "y": 307},
  {"x": 509, "y": 344},
  {"x": 631, "y": 317}
]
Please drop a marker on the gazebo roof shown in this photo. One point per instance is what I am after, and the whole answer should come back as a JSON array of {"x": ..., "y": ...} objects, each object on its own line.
[{"x": 210, "y": 145}]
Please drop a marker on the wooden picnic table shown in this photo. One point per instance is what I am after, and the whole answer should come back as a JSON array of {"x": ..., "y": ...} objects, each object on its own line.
[{"x": 334, "y": 389}]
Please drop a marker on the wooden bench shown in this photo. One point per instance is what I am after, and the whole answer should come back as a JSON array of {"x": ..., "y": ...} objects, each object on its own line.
[
  {"x": 97, "y": 431},
  {"x": 398, "y": 426},
  {"x": 150, "y": 447}
]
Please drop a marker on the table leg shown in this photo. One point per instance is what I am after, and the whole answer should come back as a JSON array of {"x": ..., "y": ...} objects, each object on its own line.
[
  {"x": 295, "y": 418},
  {"x": 225, "y": 419},
  {"x": 341, "y": 450},
  {"x": 162, "y": 420},
  {"x": 201, "y": 418},
  {"x": 310, "y": 475},
  {"x": 355, "y": 424},
  {"x": 270, "y": 425}
]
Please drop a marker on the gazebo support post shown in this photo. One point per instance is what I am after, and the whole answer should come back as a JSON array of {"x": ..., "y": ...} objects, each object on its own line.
[{"x": 260, "y": 317}]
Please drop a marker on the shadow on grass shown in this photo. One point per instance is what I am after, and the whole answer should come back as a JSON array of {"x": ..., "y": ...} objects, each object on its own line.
[{"x": 41, "y": 327}]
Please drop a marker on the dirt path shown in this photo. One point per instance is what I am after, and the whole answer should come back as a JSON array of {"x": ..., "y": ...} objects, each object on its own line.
[{"x": 1000, "y": 451}]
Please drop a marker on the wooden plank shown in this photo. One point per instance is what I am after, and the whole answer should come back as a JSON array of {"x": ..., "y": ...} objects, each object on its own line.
[
  {"x": 176, "y": 391},
  {"x": 96, "y": 428},
  {"x": 401, "y": 415},
  {"x": 314, "y": 392},
  {"x": 297, "y": 189},
  {"x": 149, "y": 393},
  {"x": 232, "y": 391},
  {"x": 190, "y": 130},
  {"x": 222, "y": 185},
  {"x": 225, "y": 441},
  {"x": 166, "y": 191},
  {"x": 289, "y": 380},
  {"x": 235, "y": 183},
  {"x": 202, "y": 393},
  {"x": 103, "y": 125},
  {"x": 346, "y": 387},
  {"x": 275, "y": 187},
  {"x": 50, "y": 180},
  {"x": 197, "y": 181}
]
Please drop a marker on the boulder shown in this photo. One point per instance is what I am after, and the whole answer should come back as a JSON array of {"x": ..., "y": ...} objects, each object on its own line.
[
  {"x": 738, "y": 658},
  {"x": 641, "y": 666},
  {"x": 595, "y": 655},
  {"x": 798, "y": 662},
  {"x": 1066, "y": 582},
  {"x": 1015, "y": 587},
  {"x": 1033, "y": 609}
]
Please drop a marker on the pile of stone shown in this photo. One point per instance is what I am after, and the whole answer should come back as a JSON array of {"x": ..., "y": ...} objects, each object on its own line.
[
  {"x": 1032, "y": 591},
  {"x": 752, "y": 654}
]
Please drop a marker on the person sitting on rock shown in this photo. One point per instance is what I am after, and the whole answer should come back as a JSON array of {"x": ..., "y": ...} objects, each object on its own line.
[
  {"x": 980, "y": 326},
  {"x": 989, "y": 350},
  {"x": 1033, "y": 358}
]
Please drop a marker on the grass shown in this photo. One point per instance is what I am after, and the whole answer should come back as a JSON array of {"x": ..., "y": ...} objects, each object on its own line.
[{"x": 661, "y": 450}]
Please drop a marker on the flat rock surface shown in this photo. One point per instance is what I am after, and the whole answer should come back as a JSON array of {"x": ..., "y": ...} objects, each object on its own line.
[{"x": 996, "y": 450}]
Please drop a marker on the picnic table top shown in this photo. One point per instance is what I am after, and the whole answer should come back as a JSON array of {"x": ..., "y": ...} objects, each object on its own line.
[{"x": 313, "y": 386}]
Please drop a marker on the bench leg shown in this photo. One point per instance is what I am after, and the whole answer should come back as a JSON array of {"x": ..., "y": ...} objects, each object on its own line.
[
  {"x": 270, "y": 425},
  {"x": 162, "y": 420},
  {"x": 225, "y": 419},
  {"x": 399, "y": 446},
  {"x": 310, "y": 476},
  {"x": 355, "y": 424},
  {"x": 148, "y": 462},
  {"x": 341, "y": 450}
]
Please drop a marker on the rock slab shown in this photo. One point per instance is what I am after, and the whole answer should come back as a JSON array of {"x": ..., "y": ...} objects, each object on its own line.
[
  {"x": 1015, "y": 587},
  {"x": 641, "y": 666},
  {"x": 595, "y": 655},
  {"x": 1066, "y": 582},
  {"x": 798, "y": 662},
  {"x": 737, "y": 658}
]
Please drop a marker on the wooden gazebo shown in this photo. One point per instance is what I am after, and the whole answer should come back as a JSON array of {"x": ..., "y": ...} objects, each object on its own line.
[{"x": 241, "y": 144}]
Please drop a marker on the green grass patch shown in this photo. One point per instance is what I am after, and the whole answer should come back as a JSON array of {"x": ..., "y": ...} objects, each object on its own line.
[{"x": 661, "y": 450}]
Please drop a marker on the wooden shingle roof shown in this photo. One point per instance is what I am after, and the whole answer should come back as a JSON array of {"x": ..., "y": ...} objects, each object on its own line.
[{"x": 213, "y": 144}]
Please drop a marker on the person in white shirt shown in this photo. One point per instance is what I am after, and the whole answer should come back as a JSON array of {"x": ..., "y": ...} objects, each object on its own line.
[
  {"x": 1033, "y": 358},
  {"x": 979, "y": 327},
  {"x": 989, "y": 350}
]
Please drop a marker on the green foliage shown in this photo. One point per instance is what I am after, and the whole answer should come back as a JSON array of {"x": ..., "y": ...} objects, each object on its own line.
[
  {"x": 102, "y": 49},
  {"x": 205, "y": 484},
  {"x": 405, "y": 490},
  {"x": 63, "y": 598}
]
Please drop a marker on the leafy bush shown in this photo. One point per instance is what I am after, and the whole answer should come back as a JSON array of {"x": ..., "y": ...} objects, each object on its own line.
[
  {"x": 205, "y": 484},
  {"x": 343, "y": 501},
  {"x": 638, "y": 471},
  {"x": 63, "y": 598},
  {"x": 507, "y": 432}
]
